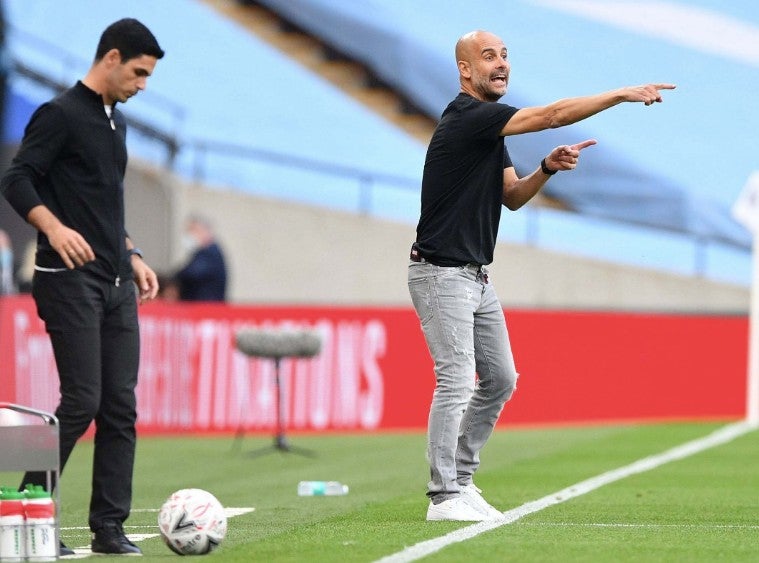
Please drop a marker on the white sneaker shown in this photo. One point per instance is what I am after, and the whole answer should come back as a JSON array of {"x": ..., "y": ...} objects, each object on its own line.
[
  {"x": 471, "y": 494},
  {"x": 454, "y": 509}
]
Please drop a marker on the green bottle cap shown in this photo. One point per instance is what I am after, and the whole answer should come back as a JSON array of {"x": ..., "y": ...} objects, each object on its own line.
[
  {"x": 9, "y": 493},
  {"x": 36, "y": 491}
]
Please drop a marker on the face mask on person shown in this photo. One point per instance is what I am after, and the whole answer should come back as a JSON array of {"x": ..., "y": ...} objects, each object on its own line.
[{"x": 189, "y": 243}]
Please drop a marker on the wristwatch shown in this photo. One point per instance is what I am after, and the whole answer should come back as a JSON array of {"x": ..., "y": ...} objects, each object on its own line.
[
  {"x": 133, "y": 251},
  {"x": 547, "y": 171}
]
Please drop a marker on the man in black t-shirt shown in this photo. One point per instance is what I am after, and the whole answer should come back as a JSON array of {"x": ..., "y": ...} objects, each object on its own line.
[{"x": 468, "y": 175}]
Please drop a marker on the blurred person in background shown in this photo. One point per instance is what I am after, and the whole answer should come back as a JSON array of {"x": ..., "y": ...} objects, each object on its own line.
[
  {"x": 7, "y": 283},
  {"x": 5, "y": 67},
  {"x": 468, "y": 176},
  {"x": 169, "y": 289},
  {"x": 67, "y": 180},
  {"x": 204, "y": 276},
  {"x": 25, "y": 272}
]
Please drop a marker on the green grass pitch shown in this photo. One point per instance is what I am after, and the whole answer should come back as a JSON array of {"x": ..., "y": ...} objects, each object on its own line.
[{"x": 703, "y": 508}]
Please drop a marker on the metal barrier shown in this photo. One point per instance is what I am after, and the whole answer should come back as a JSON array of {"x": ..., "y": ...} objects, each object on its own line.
[{"x": 33, "y": 447}]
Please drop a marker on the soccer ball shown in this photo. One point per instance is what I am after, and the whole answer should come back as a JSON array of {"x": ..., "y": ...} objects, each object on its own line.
[{"x": 192, "y": 522}]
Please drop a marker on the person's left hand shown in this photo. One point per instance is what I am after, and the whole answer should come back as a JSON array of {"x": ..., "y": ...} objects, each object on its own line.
[
  {"x": 565, "y": 157},
  {"x": 145, "y": 278}
]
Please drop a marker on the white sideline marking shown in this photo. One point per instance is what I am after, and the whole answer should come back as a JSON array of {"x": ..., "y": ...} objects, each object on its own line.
[
  {"x": 230, "y": 512},
  {"x": 640, "y": 525},
  {"x": 85, "y": 551},
  {"x": 716, "y": 438}
]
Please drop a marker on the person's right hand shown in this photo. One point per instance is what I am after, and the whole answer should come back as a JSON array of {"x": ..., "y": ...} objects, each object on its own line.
[{"x": 71, "y": 246}]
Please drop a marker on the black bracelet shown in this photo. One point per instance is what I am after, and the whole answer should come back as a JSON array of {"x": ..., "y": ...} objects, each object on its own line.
[{"x": 547, "y": 171}]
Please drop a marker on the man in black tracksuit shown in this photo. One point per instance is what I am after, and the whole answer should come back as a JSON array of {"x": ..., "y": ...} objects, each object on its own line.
[{"x": 67, "y": 181}]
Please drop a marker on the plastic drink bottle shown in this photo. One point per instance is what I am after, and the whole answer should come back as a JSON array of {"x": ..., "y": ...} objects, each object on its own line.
[
  {"x": 12, "y": 538},
  {"x": 321, "y": 488},
  {"x": 41, "y": 544}
]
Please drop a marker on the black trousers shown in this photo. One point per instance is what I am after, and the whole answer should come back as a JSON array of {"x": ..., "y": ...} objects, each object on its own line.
[{"x": 94, "y": 331}]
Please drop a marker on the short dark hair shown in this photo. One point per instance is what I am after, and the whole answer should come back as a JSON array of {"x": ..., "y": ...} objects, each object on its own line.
[{"x": 131, "y": 38}]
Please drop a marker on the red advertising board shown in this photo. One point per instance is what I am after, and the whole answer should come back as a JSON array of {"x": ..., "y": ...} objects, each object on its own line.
[{"x": 374, "y": 371}]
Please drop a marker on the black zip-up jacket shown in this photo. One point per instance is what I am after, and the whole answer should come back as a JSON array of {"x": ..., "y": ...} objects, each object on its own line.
[{"x": 72, "y": 160}]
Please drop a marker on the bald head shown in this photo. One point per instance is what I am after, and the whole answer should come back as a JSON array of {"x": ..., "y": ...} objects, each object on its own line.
[
  {"x": 483, "y": 65},
  {"x": 469, "y": 45}
]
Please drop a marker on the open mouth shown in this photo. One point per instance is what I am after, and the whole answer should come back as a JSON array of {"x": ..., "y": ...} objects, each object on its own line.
[{"x": 499, "y": 79}]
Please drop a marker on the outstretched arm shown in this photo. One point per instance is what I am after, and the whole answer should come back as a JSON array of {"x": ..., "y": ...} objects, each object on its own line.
[
  {"x": 518, "y": 191},
  {"x": 571, "y": 110}
]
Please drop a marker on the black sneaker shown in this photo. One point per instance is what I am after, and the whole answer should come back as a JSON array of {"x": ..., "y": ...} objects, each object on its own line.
[
  {"x": 64, "y": 551},
  {"x": 110, "y": 539}
]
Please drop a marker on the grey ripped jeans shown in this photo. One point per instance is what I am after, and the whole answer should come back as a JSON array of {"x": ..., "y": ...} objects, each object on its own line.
[{"x": 466, "y": 333}]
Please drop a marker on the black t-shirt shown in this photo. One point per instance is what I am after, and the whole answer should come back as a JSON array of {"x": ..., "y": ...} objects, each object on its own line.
[{"x": 462, "y": 185}]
